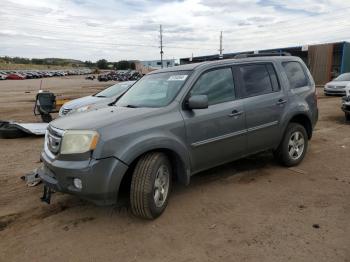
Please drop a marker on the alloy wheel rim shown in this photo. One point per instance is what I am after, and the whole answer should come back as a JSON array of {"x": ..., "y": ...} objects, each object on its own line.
[
  {"x": 296, "y": 145},
  {"x": 161, "y": 186}
]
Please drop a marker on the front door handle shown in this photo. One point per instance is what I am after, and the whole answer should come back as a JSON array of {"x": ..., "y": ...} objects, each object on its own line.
[
  {"x": 235, "y": 113},
  {"x": 281, "y": 102}
]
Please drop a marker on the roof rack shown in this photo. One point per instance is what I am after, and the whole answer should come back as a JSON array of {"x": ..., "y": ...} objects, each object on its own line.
[{"x": 262, "y": 55}]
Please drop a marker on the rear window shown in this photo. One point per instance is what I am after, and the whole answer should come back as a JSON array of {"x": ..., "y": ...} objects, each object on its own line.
[
  {"x": 295, "y": 74},
  {"x": 256, "y": 80}
]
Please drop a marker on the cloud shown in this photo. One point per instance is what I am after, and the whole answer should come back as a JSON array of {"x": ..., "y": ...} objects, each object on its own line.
[{"x": 129, "y": 29}]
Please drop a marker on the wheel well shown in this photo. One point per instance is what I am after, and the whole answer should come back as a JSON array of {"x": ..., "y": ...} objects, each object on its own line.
[
  {"x": 179, "y": 170},
  {"x": 305, "y": 122}
]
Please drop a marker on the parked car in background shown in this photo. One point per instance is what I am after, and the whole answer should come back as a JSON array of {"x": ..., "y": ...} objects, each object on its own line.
[
  {"x": 337, "y": 86},
  {"x": 176, "y": 122},
  {"x": 3, "y": 76},
  {"x": 15, "y": 76},
  {"x": 98, "y": 100}
]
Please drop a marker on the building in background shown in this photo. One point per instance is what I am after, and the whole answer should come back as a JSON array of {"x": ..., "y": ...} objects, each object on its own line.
[
  {"x": 157, "y": 64},
  {"x": 325, "y": 61}
]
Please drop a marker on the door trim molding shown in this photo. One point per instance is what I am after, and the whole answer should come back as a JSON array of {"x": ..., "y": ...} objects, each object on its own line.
[
  {"x": 214, "y": 139},
  {"x": 255, "y": 128},
  {"x": 229, "y": 135}
]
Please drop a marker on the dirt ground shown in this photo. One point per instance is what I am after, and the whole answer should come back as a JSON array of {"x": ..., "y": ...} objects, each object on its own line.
[{"x": 249, "y": 210}]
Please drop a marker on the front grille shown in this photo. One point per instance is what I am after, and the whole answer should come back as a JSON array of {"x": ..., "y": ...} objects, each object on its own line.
[
  {"x": 53, "y": 139},
  {"x": 65, "y": 111},
  {"x": 336, "y": 87}
]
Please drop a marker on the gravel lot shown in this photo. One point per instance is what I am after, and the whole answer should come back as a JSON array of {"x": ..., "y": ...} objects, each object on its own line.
[{"x": 249, "y": 210}]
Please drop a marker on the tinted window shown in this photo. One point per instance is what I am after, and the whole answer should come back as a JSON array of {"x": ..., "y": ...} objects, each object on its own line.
[
  {"x": 256, "y": 80},
  {"x": 273, "y": 77},
  {"x": 295, "y": 74},
  {"x": 217, "y": 85}
]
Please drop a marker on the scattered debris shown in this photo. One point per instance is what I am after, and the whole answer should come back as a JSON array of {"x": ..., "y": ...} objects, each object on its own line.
[
  {"x": 213, "y": 226},
  {"x": 11, "y": 129},
  {"x": 297, "y": 170},
  {"x": 317, "y": 226},
  {"x": 32, "y": 178}
]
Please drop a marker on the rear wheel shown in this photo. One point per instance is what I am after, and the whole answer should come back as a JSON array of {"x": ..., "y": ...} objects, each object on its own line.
[
  {"x": 150, "y": 185},
  {"x": 293, "y": 146}
]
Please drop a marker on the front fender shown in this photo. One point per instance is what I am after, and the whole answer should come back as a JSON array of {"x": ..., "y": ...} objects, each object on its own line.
[{"x": 146, "y": 143}]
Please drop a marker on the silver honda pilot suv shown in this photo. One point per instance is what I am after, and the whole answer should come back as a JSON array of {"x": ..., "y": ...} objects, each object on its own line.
[{"x": 176, "y": 122}]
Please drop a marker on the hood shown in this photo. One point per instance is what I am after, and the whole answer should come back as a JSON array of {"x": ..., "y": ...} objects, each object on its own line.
[
  {"x": 95, "y": 119},
  {"x": 339, "y": 83},
  {"x": 83, "y": 101}
]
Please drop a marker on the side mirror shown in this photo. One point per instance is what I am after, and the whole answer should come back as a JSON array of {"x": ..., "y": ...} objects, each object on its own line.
[{"x": 198, "y": 102}]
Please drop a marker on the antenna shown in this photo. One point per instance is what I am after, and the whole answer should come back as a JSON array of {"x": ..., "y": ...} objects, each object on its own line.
[
  {"x": 161, "y": 45},
  {"x": 221, "y": 49}
]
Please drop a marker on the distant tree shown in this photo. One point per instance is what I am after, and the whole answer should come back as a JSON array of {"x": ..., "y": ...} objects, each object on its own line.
[
  {"x": 102, "y": 64},
  {"x": 89, "y": 64},
  {"x": 132, "y": 66},
  {"x": 123, "y": 65},
  {"x": 37, "y": 61}
]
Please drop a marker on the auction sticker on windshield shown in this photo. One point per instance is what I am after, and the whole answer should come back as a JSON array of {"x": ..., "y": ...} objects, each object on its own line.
[{"x": 177, "y": 78}]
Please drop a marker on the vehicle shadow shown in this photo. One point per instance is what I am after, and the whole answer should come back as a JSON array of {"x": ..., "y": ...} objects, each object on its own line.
[{"x": 248, "y": 169}]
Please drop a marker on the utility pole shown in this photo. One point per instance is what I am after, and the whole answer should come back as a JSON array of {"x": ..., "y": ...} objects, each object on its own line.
[
  {"x": 161, "y": 45},
  {"x": 221, "y": 49}
]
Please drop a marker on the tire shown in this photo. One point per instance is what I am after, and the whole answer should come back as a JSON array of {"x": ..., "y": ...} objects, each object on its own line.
[
  {"x": 291, "y": 153},
  {"x": 10, "y": 132},
  {"x": 144, "y": 189},
  {"x": 347, "y": 116}
]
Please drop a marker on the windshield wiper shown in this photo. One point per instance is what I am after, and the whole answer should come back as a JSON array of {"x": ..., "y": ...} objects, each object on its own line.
[{"x": 131, "y": 106}]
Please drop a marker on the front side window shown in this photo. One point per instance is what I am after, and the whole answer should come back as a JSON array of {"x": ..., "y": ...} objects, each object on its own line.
[
  {"x": 256, "y": 80},
  {"x": 217, "y": 84},
  {"x": 295, "y": 74},
  {"x": 154, "y": 90}
]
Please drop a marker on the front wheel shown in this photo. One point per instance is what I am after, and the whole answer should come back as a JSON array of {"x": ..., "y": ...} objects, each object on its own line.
[
  {"x": 294, "y": 145},
  {"x": 150, "y": 185}
]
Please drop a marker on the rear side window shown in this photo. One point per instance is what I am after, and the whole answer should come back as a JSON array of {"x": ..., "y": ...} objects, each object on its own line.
[
  {"x": 217, "y": 84},
  {"x": 256, "y": 80},
  {"x": 295, "y": 74}
]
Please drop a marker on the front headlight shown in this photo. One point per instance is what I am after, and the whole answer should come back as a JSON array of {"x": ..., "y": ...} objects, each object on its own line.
[
  {"x": 79, "y": 141},
  {"x": 83, "y": 108}
]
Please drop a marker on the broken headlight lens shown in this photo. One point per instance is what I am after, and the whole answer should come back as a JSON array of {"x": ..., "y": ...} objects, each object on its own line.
[{"x": 79, "y": 141}]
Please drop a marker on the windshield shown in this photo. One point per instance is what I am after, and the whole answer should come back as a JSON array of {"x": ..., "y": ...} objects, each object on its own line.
[
  {"x": 343, "y": 77},
  {"x": 115, "y": 90},
  {"x": 154, "y": 90}
]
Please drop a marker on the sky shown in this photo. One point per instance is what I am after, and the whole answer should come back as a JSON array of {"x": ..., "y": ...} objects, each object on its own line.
[{"x": 129, "y": 29}]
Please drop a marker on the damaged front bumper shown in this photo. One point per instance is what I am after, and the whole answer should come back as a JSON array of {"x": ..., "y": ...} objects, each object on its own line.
[{"x": 100, "y": 179}]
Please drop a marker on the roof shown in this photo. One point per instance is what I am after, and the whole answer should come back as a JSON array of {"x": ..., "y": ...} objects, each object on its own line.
[{"x": 193, "y": 66}]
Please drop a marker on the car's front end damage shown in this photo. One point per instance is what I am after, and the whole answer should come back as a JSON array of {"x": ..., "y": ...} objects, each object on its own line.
[{"x": 69, "y": 167}]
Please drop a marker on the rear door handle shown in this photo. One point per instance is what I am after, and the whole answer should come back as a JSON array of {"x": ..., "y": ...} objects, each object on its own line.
[
  {"x": 235, "y": 113},
  {"x": 281, "y": 102}
]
